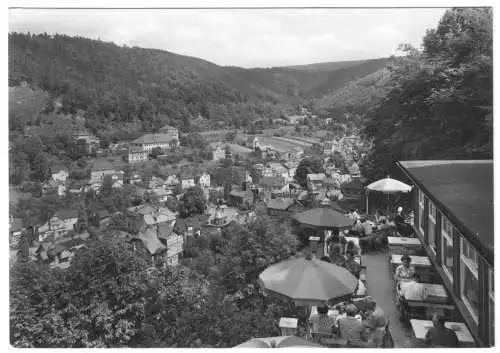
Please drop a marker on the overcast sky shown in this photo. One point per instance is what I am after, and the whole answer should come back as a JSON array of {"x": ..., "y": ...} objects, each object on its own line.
[{"x": 239, "y": 37}]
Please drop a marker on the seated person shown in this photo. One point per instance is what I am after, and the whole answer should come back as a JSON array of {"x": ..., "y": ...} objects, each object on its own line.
[
  {"x": 357, "y": 229},
  {"x": 352, "y": 248},
  {"x": 399, "y": 218},
  {"x": 402, "y": 227},
  {"x": 375, "y": 316},
  {"x": 352, "y": 265},
  {"x": 352, "y": 329},
  {"x": 323, "y": 323},
  {"x": 384, "y": 224},
  {"x": 335, "y": 240},
  {"x": 367, "y": 227},
  {"x": 336, "y": 256},
  {"x": 439, "y": 335},
  {"x": 375, "y": 321},
  {"x": 378, "y": 216},
  {"x": 405, "y": 271}
]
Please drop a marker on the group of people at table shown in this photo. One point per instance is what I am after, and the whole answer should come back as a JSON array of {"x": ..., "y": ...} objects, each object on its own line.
[
  {"x": 382, "y": 223},
  {"x": 360, "y": 323},
  {"x": 374, "y": 233},
  {"x": 408, "y": 286}
]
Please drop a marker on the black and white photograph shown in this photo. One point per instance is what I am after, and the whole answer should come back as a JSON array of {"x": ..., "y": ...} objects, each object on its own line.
[{"x": 256, "y": 176}]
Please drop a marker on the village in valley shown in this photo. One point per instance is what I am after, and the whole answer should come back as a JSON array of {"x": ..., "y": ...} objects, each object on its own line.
[
  {"x": 267, "y": 181},
  {"x": 159, "y": 200}
]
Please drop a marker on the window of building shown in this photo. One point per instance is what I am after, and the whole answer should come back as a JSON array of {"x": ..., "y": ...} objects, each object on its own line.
[
  {"x": 431, "y": 231},
  {"x": 469, "y": 284},
  {"x": 421, "y": 200},
  {"x": 447, "y": 246}
]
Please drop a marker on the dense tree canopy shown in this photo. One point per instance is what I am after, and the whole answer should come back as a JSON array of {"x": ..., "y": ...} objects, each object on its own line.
[
  {"x": 192, "y": 202},
  {"x": 110, "y": 297},
  {"x": 439, "y": 102},
  {"x": 121, "y": 88},
  {"x": 308, "y": 166}
]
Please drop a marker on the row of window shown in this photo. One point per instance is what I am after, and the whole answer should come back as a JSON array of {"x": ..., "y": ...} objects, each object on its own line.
[{"x": 469, "y": 259}]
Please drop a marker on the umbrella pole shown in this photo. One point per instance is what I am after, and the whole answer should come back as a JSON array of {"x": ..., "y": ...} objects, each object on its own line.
[{"x": 367, "y": 195}]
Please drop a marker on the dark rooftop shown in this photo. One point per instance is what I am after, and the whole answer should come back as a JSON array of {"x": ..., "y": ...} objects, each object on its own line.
[
  {"x": 465, "y": 189},
  {"x": 196, "y": 222},
  {"x": 66, "y": 214},
  {"x": 271, "y": 181},
  {"x": 280, "y": 203},
  {"x": 241, "y": 193}
]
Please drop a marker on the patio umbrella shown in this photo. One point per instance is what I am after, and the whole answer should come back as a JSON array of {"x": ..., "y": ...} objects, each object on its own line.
[
  {"x": 277, "y": 342},
  {"x": 324, "y": 218},
  {"x": 387, "y": 186},
  {"x": 308, "y": 282}
]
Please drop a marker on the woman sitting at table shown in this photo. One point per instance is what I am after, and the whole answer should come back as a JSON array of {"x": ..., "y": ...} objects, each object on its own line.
[{"x": 405, "y": 271}]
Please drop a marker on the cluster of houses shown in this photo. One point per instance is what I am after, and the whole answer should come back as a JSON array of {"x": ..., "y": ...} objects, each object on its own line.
[
  {"x": 220, "y": 150},
  {"x": 158, "y": 231}
]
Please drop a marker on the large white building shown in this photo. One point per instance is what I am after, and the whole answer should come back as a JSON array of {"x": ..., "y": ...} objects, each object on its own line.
[
  {"x": 139, "y": 149},
  {"x": 150, "y": 141}
]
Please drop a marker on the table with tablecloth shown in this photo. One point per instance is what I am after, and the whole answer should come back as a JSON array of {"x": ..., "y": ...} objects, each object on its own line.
[
  {"x": 403, "y": 245},
  {"x": 430, "y": 299}
]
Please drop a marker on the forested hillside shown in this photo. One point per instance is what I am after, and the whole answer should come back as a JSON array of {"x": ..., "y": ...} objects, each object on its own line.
[
  {"x": 358, "y": 93},
  {"x": 329, "y": 66},
  {"x": 338, "y": 78},
  {"x": 437, "y": 103},
  {"x": 116, "y": 86}
]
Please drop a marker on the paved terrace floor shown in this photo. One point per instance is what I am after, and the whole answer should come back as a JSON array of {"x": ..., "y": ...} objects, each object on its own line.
[{"x": 381, "y": 289}]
